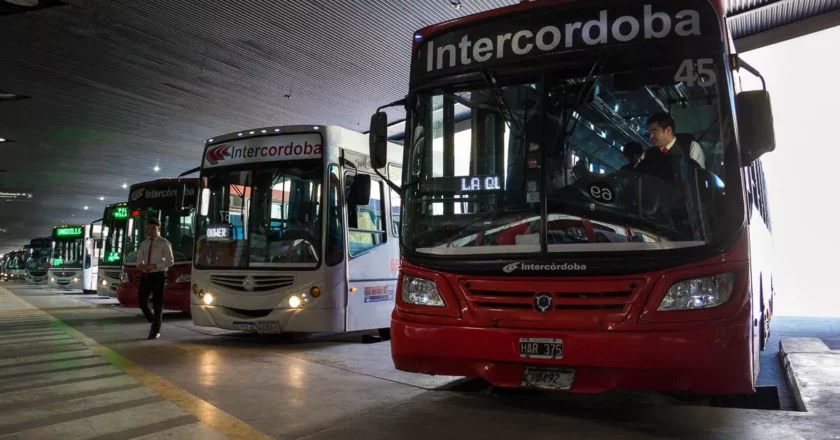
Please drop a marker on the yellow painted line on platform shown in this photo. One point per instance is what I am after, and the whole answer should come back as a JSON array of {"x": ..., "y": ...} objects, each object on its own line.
[{"x": 224, "y": 423}]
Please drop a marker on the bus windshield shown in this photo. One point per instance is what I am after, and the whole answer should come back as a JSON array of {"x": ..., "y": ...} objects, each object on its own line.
[
  {"x": 40, "y": 255},
  {"x": 68, "y": 252},
  {"x": 266, "y": 217},
  {"x": 174, "y": 226},
  {"x": 114, "y": 221},
  {"x": 559, "y": 162}
]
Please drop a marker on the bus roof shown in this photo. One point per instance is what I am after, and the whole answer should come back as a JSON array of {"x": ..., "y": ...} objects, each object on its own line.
[
  {"x": 524, "y": 5},
  {"x": 338, "y": 136}
]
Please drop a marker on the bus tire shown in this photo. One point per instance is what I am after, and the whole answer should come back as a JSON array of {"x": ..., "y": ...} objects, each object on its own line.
[{"x": 385, "y": 333}]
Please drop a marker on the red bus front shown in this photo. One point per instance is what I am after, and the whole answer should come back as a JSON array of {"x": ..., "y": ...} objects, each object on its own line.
[
  {"x": 538, "y": 249},
  {"x": 160, "y": 199}
]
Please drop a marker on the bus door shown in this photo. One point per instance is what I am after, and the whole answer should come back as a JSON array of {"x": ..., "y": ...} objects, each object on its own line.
[
  {"x": 90, "y": 267},
  {"x": 372, "y": 252}
]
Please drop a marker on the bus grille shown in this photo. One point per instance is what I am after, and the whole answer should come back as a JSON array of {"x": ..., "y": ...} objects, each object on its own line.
[
  {"x": 64, "y": 274},
  {"x": 609, "y": 301},
  {"x": 38, "y": 273},
  {"x": 262, "y": 283},
  {"x": 113, "y": 275}
]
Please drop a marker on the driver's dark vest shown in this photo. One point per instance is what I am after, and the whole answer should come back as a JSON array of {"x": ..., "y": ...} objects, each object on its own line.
[{"x": 682, "y": 146}]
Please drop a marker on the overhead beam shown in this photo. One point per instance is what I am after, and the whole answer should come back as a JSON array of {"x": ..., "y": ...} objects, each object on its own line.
[{"x": 790, "y": 31}]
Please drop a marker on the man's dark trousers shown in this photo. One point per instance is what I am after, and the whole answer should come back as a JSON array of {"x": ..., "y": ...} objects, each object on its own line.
[{"x": 152, "y": 284}]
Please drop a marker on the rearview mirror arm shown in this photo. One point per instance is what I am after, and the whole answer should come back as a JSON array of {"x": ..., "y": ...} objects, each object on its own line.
[
  {"x": 393, "y": 185},
  {"x": 399, "y": 102},
  {"x": 739, "y": 62}
]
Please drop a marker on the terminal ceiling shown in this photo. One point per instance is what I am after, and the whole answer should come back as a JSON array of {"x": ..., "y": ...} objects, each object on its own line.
[{"x": 97, "y": 93}]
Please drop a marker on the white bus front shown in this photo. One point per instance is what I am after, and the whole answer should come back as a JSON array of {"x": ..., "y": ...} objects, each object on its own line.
[
  {"x": 67, "y": 257},
  {"x": 270, "y": 257}
]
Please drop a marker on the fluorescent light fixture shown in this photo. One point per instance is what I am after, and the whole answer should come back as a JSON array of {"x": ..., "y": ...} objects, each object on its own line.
[
  {"x": 101, "y": 197},
  {"x": 157, "y": 168},
  {"x": 125, "y": 185},
  {"x": 86, "y": 208},
  {"x": 2, "y": 140}
]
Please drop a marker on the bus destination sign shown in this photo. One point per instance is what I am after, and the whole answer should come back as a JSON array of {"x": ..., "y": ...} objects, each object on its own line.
[
  {"x": 68, "y": 232},
  {"x": 121, "y": 212}
]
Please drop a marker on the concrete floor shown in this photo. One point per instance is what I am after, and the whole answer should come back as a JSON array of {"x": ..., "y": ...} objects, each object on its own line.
[{"x": 72, "y": 366}]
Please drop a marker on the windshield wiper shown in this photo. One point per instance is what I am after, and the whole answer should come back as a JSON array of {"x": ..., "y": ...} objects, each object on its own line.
[
  {"x": 490, "y": 79},
  {"x": 588, "y": 86},
  {"x": 508, "y": 210}
]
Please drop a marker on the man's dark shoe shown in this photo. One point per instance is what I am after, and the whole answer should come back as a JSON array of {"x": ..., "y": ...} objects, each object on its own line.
[{"x": 154, "y": 335}]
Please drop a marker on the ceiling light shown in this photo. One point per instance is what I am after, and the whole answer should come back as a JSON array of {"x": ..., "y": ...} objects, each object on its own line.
[
  {"x": 455, "y": 4},
  {"x": 125, "y": 185},
  {"x": 24, "y": 3},
  {"x": 2, "y": 140},
  {"x": 101, "y": 198},
  {"x": 157, "y": 168},
  {"x": 6, "y": 96}
]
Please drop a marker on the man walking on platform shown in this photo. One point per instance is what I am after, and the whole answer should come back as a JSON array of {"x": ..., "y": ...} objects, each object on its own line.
[{"x": 153, "y": 259}]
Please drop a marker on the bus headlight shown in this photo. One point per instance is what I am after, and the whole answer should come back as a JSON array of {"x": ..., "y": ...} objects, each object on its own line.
[
  {"x": 294, "y": 301},
  {"x": 421, "y": 291},
  {"x": 699, "y": 293},
  {"x": 104, "y": 283},
  {"x": 52, "y": 280},
  {"x": 76, "y": 280},
  {"x": 208, "y": 298},
  {"x": 183, "y": 278}
]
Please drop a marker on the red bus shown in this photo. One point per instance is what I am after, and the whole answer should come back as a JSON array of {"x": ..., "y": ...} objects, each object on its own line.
[
  {"x": 159, "y": 198},
  {"x": 533, "y": 252}
]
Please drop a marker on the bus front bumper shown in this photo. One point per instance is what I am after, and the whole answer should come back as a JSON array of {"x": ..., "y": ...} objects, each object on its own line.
[
  {"x": 301, "y": 320},
  {"x": 69, "y": 283},
  {"x": 174, "y": 297},
  {"x": 37, "y": 281},
  {"x": 713, "y": 360}
]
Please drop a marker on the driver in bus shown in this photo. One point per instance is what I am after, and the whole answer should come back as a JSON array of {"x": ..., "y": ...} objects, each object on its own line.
[{"x": 662, "y": 131}]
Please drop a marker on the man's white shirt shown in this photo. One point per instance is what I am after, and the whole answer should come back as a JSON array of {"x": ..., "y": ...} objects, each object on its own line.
[{"x": 161, "y": 254}]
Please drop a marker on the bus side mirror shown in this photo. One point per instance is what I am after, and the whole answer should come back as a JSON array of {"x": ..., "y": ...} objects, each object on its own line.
[
  {"x": 205, "y": 201},
  {"x": 359, "y": 191},
  {"x": 755, "y": 125},
  {"x": 378, "y": 140}
]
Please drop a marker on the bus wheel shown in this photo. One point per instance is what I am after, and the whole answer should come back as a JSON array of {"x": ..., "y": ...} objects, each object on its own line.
[{"x": 385, "y": 334}]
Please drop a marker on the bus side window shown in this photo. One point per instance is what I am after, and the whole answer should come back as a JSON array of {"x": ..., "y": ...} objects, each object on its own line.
[
  {"x": 395, "y": 174},
  {"x": 364, "y": 223}
]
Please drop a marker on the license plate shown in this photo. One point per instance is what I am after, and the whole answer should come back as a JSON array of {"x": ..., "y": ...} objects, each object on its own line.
[
  {"x": 548, "y": 378},
  {"x": 540, "y": 348},
  {"x": 257, "y": 327}
]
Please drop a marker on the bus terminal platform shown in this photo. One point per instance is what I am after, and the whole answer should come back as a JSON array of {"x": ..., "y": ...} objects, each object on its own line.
[{"x": 79, "y": 367}]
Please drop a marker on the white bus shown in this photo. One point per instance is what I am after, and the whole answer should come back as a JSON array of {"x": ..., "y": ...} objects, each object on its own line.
[
  {"x": 73, "y": 264},
  {"x": 270, "y": 257},
  {"x": 114, "y": 221}
]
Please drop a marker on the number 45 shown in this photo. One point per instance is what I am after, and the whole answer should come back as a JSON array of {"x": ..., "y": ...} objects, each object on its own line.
[{"x": 704, "y": 76}]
